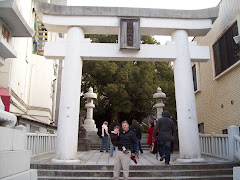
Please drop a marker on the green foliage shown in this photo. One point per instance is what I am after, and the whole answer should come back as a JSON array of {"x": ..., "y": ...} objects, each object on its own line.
[
  {"x": 125, "y": 89},
  {"x": 144, "y": 128},
  {"x": 148, "y": 40}
]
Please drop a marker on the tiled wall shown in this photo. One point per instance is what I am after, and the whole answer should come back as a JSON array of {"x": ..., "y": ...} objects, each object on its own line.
[{"x": 217, "y": 91}]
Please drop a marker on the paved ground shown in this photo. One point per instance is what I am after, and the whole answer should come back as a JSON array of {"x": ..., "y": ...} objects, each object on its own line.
[{"x": 94, "y": 157}]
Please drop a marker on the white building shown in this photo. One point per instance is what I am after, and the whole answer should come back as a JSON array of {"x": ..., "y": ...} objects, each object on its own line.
[{"x": 30, "y": 79}]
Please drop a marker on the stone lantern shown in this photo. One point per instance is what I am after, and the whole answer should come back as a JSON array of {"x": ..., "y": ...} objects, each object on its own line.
[
  {"x": 89, "y": 123},
  {"x": 159, "y": 96}
]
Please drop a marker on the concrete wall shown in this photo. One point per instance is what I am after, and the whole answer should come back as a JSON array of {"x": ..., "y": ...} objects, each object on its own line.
[
  {"x": 15, "y": 160},
  {"x": 25, "y": 7},
  {"x": 220, "y": 90}
]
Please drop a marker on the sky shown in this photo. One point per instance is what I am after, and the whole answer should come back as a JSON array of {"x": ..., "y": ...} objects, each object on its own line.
[{"x": 158, "y": 4}]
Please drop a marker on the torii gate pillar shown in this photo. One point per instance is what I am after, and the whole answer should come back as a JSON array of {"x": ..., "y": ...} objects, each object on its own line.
[
  {"x": 189, "y": 145},
  {"x": 67, "y": 137}
]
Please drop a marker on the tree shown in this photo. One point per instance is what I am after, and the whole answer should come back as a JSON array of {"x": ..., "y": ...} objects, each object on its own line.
[{"x": 125, "y": 89}]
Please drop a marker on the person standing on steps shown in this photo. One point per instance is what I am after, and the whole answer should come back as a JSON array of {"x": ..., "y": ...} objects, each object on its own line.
[
  {"x": 114, "y": 137},
  {"x": 138, "y": 132},
  {"x": 111, "y": 128},
  {"x": 105, "y": 135},
  {"x": 166, "y": 129},
  {"x": 126, "y": 140},
  {"x": 150, "y": 133}
]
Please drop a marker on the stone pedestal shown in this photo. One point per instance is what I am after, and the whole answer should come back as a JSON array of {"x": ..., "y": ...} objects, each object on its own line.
[
  {"x": 232, "y": 131},
  {"x": 6, "y": 119},
  {"x": 93, "y": 138},
  {"x": 14, "y": 159},
  {"x": 236, "y": 173},
  {"x": 83, "y": 142}
]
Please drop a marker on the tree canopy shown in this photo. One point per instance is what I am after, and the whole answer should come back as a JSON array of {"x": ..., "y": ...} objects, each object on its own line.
[{"x": 125, "y": 89}]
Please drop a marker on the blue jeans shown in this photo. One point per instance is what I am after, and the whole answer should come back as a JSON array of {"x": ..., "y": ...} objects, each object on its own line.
[
  {"x": 139, "y": 146},
  {"x": 112, "y": 148},
  {"x": 104, "y": 141},
  {"x": 164, "y": 151}
]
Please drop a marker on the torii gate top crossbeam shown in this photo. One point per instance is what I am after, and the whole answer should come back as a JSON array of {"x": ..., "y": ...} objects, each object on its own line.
[
  {"x": 53, "y": 9},
  {"x": 105, "y": 20}
]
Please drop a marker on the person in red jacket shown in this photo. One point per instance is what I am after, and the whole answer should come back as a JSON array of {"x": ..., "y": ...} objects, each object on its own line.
[{"x": 150, "y": 133}]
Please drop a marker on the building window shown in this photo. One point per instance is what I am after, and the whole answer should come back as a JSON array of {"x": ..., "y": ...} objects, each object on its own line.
[
  {"x": 225, "y": 131},
  {"x": 226, "y": 51},
  {"x": 201, "y": 128},
  {"x": 194, "y": 77},
  {"x": 5, "y": 33},
  {"x": 33, "y": 129}
]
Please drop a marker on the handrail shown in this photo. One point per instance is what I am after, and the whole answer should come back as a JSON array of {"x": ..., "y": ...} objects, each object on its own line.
[
  {"x": 214, "y": 145},
  {"x": 39, "y": 143},
  {"x": 237, "y": 146}
]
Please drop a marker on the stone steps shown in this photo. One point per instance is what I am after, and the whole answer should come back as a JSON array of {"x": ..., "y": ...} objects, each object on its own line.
[
  {"x": 97, "y": 146},
  {"x": 193, "y": 171},
  {"x": 226, "y": 177},
  {"x": 134, "y": 173}
]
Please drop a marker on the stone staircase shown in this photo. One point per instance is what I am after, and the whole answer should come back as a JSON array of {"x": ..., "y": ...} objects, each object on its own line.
[
  {"x": 98, "y": 145},
  {"x": 215, "y": 171}
]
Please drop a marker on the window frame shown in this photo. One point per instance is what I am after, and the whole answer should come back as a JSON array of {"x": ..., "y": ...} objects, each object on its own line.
[
  {"x": 198, "y": 83},
  {"x": 4, "y": 30},
  {"x": 230, "y": 65}
]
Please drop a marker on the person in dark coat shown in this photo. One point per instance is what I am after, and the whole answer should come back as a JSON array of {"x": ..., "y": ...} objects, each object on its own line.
[
  {"x": 166, "y": 129},
  {"x": 111, "y": 128},
  {"x": 138, "y": 132}
]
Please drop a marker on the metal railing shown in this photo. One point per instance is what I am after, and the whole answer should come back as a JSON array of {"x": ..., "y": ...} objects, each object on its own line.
[
  {"x": 237, "y": 146},
  {"x": 215, "y": 145},
  {"x": 39, "y": 143}
]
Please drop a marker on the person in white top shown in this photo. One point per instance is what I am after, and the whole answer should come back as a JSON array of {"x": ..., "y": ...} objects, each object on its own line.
[{"x": 105, "y": 135}]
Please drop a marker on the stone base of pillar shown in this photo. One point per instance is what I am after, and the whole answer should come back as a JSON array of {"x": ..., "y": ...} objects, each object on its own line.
[
  {"x": 60, "y": 161},
  {"x": 89, "y": 125},
  {"x": 190, "y": 160}
]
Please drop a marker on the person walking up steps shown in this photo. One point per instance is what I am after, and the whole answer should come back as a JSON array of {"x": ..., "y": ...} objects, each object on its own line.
[
  {"x": 150, "y": 133},
  {"x": 166, "y": 131}
]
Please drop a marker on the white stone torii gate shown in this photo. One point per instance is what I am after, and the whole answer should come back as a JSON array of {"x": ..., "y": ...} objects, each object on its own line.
[{"x": 77, "y": 21}]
